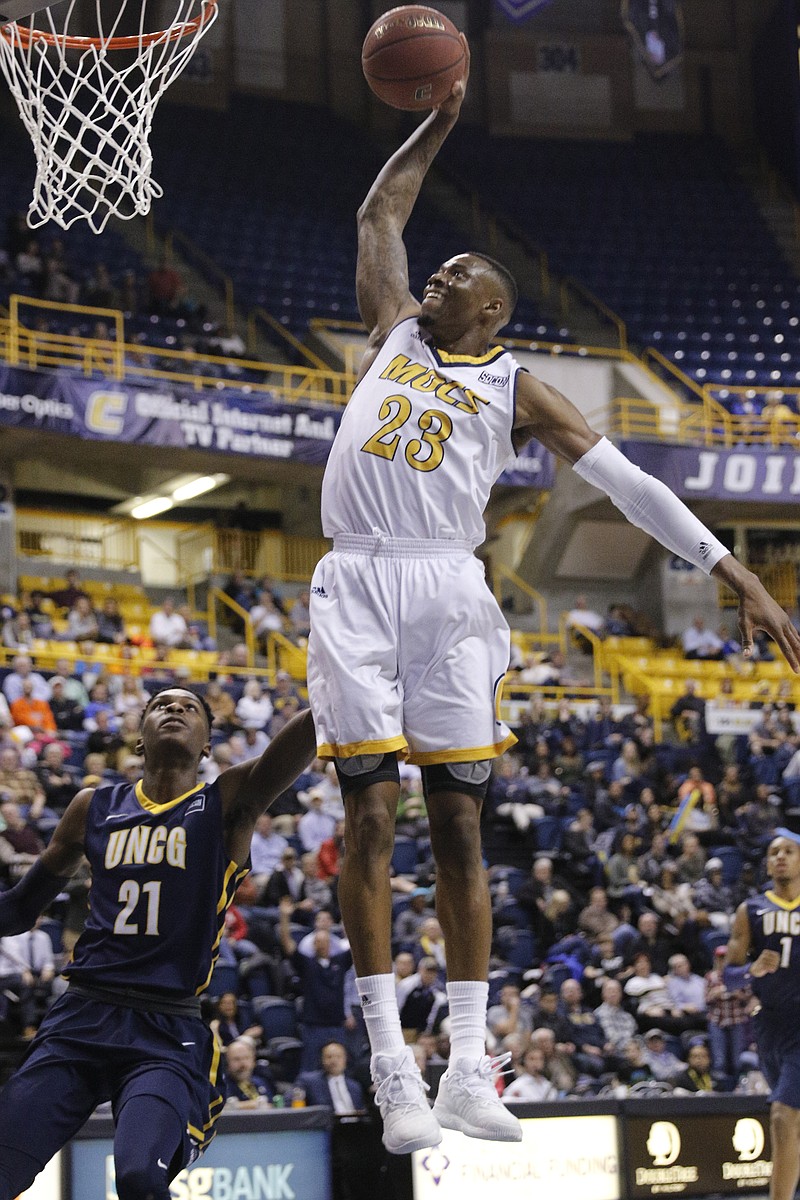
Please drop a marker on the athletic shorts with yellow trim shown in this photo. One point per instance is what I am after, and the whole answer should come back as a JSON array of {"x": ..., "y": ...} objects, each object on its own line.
[{"x": 408, "y": 651}]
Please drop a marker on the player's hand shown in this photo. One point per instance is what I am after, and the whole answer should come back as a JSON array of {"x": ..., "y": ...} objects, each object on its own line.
[
  {"x": 758, "y": 610},
  {"x": 767, "y": 963},
  {"x": 452, "y": 105}
]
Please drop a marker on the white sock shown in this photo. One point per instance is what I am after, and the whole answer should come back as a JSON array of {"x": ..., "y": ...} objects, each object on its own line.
[
  {"x": 379, "y": 1003},
  {"x": 468, "y": 1000}
]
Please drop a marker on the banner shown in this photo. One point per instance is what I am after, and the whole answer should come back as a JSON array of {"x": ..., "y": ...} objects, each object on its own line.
[
  {"x": 227, "y": 421},
  {"x": 754, "y": 473},
  {"x": 521, "y": 10},
  {"x": 656, "y": 29}
]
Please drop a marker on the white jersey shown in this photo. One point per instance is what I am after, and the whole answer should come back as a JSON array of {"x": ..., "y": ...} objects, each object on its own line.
[{"x": 423, "y": 439}]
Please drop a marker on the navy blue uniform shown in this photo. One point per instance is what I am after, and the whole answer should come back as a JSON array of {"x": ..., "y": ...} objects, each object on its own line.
[
  {"x": 129, "y": 1025},
  {"x": 775, "y": 925}
]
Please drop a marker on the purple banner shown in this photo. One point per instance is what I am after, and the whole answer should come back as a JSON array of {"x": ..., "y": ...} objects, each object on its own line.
[
  {"x": 227, "y": 421},
  {"x": 521, "y": 10},
  {"x": 753, "y": 473}
]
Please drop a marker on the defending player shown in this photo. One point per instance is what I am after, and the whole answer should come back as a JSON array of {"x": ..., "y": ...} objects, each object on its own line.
[
  {"x": 766, "y": 933},
  {"x": 408, "y": 648},
  {"x": 166, "y": 855}
]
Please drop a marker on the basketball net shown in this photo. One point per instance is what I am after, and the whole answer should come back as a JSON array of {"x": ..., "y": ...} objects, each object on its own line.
[{"x": 88, "y": 104}]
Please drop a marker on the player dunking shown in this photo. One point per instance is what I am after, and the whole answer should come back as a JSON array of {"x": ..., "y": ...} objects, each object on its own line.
[
  {"x": 408, "y": 647},
  {"x": 766, "y": 933},
  {"x": 166, "y": 855}
]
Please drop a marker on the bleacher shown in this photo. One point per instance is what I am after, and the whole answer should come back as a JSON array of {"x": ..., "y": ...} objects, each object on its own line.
[{"x": 662, "y": 230}]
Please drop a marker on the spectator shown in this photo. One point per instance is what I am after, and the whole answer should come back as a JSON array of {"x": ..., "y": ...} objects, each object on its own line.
[
  {"x": 254, "y": 709},
  {"x": 286, "y": 880},
  {"x": 662, "y": 1062},
  {"x": 691, "y": 861},
  {"x": 407, "y": 924},
  {"x": 74, "y": 688},
  {"x": 648, "y": 991},
  {"x": 323, "y": 982},
  {"x": 635, "y": 1067},
  {"x": 622, "y": 869},
  {"x": 81, "y": 622},
  {"x": 595, "y": 920},
  {"x": 20, "y": 835},
  {"x": 315, "y": 826},
  {"x": 531, "y": 1085},
  {"x": 18, "y": 632},
  {"x": 713, "y": 898},
  {"x": 431, "y": 941},
  {"x": 222, "y": 705},
  {"x": 266, "y": 617},
  {"x": 284, "y": 692},
  {"x": 331, "y": 1086},
  {"x": 164, "y": 287},
  {"x": 35, "y": 715},
  {"x": 27, "y": 970},
  {"x": 41, "y": 621},
  {"x": 688, "y": 714},
  {"x": 616, "y": 1022},
  {"x": 330, "y": 855},
  {"x": 317, "y": 895},
  {"x": 227, "y": 1023},
  {"x": 249, "y": 1086},
  {"x": 687, "y": 994},
  {"x": 583, "y": 617},
  {"x": 699, "y": 800},
  {"x": 702, "y": 643},
  {"x": 104, "y": 738},
  {"x": 110, "y": 625},
  {"x": 299, "y": 615},
  {"x": 588, "y": 1034},
  {"x": 266, "y": 851},
  {"x": 558, "y": 1065},
  {"x": 424, "y": 1004},
  {"x": 730, "y": 1028},
  {"x": 22, "y": 669},
  {"x": 99, "y": 701},
  {"x": 670, "y": 899},
  {"x": 65, "y": 597},
  {"x": 697, "y": 1076},
  {"x": 56, "y": 781},
  {"x": 651, "y": 940},
  {"x": 168, "y": 628},
  {"x": 131, "y": 697},
  {"x": 511, "y": 1016},
  {"x": 67, "y": 713}
]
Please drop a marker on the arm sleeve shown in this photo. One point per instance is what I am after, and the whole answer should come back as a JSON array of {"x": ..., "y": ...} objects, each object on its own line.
[
  {"x": 649, "y": 504},
  {"x": 20, "y": 906}
]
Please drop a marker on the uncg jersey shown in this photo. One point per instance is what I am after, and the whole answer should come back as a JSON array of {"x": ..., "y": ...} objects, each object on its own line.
[
  {"x": 775, "y": 925},
  {"x": 422, "y": 440},
  {"x": 161, "y": 885}
]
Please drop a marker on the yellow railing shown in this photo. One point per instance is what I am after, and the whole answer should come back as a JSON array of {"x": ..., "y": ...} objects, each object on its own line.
[
  {"x": 81, "y": 540},
  {"x": 652, "y": 355},
  {"x": 261, "y": 315},
  {"x": 217, "y": 596},
  {"x": 117, "y": 359},
  {"x": 538, "y": 603},
  {"x": 566, "y": 632},
  {"x": 285, "y": 655},
  {"x": 517, "y": 696}
]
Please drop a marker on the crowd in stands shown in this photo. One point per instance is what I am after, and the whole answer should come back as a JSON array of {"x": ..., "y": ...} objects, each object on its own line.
[{"x": 615, "y": 865}]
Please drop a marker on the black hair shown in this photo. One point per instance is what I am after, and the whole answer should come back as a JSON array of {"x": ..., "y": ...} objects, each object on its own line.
[
  {"x": 504, "y": 275},
  {"x": 172, "y": 687}
]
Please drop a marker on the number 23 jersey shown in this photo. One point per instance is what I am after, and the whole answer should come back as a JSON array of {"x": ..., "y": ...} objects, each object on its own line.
[
  {"x": 775, "y": 925},
  {"x": 422, "y": 440},
  {"x": 161, "y": 886}
]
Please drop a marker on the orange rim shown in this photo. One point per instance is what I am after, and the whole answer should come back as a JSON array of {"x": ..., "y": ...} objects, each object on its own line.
[{"x": 27, "y": 36}]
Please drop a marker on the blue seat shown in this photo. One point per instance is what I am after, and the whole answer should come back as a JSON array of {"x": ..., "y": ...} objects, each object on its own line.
[
  {"x": 404, "y": 856},
  {"x": 224, "y": 978},
  {"x": 732, "y": 862},
  {"x": 284, "y": 1054},
  {"x": 277, "y": 1017},
  {"x": 519, "y": 948},
  {"x": 711, "y": 939},
  {"x": 547, "y": 832}
]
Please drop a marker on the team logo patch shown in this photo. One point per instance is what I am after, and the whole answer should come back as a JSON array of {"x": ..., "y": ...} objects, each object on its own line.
[{"x": 197, "y": 805}]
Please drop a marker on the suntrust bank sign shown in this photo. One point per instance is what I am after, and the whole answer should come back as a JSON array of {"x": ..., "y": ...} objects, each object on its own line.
[{"x": 751, "y": 473}]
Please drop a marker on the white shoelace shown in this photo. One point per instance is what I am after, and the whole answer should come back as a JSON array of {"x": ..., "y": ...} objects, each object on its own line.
[
  {"x": 401, "y": 1076},
  {"x": 489, "y": 1070}
]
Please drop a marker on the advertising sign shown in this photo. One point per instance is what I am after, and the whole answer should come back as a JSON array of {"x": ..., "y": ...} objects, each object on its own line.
[
  {"x": 574, "y": 1156},
  {"x": 755, "y": 473},
  {"x": 698, "y": 1155},
  {"x": 292, "y": 1165}
]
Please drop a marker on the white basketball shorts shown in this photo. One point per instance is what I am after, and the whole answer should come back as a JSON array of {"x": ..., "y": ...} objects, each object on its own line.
[{"x": 408, "y": 651}]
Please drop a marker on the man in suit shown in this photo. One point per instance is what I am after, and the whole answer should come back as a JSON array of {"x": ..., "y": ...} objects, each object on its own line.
[{"x": 355, "y": 1141}]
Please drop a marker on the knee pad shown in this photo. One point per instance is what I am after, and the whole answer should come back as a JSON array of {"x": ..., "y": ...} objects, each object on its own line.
[
  {"x": 362, "y": 770},
  {"x": 468, "y": 778}
]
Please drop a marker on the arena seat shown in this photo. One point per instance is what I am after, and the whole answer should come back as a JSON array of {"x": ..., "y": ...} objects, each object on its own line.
[
  {"x": 276, "y": 1016},
  {"x": 404, "y": 856}
]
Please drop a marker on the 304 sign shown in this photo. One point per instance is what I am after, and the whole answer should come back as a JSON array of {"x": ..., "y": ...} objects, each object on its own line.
[{"x": 558, "y": 58}]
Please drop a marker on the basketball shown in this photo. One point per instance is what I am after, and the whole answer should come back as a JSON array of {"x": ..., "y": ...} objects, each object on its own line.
[{"x": 412, "y": 56}]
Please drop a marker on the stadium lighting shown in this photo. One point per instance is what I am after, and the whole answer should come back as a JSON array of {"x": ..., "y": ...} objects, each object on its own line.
[
  {"x": 198, "y": 487},
  {"x": 151, "y": 508}
]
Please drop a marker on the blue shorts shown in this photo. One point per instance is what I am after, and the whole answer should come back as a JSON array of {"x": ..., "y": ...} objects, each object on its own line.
[
  {"x": 778, "y": 1040},
  {"x": 87, "y": 1052}
]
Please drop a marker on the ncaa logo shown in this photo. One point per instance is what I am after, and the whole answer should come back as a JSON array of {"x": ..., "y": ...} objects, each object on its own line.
[
  {"x": 663, "y": 1143},
  {"x": 748, "y": 1139}
]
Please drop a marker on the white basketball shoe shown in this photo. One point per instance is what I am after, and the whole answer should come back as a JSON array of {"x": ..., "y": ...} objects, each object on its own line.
[
  {"x": 468, "y": 1101},
  {"x": 408, "y": 1122}
]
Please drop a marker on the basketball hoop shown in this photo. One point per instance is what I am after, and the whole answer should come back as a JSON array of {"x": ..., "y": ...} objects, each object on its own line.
[{"x": 88, "y": 104}]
